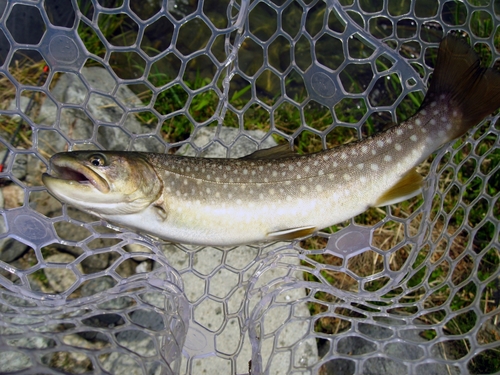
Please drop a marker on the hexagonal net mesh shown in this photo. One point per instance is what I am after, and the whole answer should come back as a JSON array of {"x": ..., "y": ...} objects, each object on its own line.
[{"x": 410, "y": 288}]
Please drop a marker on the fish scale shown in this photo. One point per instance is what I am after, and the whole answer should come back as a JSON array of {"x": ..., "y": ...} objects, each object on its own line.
[{"x": 275, "y": 194}]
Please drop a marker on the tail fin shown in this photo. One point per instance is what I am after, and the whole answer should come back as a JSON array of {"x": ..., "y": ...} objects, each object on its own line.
[{"x": 473, "y": 91}]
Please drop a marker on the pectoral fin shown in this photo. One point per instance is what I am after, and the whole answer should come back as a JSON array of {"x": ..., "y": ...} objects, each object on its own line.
[
  {"x": 290, "y": 234},
  {"x": 408, "y": 186}
]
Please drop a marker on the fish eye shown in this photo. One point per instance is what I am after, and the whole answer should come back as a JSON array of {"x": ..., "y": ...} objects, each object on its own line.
[{"x": 97, "y": 160}]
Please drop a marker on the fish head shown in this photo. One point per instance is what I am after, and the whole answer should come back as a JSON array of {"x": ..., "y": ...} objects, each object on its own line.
[{"x": 103, "y": 183}]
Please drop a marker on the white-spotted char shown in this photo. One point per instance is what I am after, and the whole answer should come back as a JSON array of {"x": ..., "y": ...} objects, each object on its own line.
[{"x": 275, "y": 194}]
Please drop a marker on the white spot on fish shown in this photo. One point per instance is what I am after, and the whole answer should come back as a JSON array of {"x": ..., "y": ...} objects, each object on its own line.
[
  {"x": 288, "y": 198},
  {"x": 335, "y": 164},
  {"x": 435, "y": 112},
  {"x": 238, "y": 201},
  {"x": 208, "y": 190},
  {"x": 455, "y": 113},
  {"x": 423, "y": 130},
  {"x": 364, "y": 149},
  {"x": 380, "y": 143},
  {"x": 261, "y": 196},
  {"x": 360, "y": 166},
  {"x": 444, "y": 119},
  {"x": 433, "y": 122},
  {"x": 290, "y": 167},
  {"x": 316, "y": 163},
  {"x": 303, "y": 189},
  {"x": 275, "y": 173},
  {"x": 362, "y": 179},
  {"x": 399, "y": 131},
  {"x": 347, "y": 177},
  {"x": 374, "y": 167},
  {"x": 398, "y": 147},
  {"x": 423, "y": 112},
  {"x": 349, "y": 165},
  {"x": 418, "y": 122},
  {"x": 343, "y": 156},
  {"x": 410, "y": 126},
  {"x": 414, "y": 138},
  {"x": 299, "y": 177},
  {"x": 272, "y": 191},
  {"x": 433, "y": 104},
  {"x": 319, "y": 188},
  {"x": 245, "y": 171},
  {"x": 266, "y": 179},
  {"x": 374, "y": 152},
  {"x": 230, "y": 195},
  {"x": 307, "y": 169},
  {"x": 441, "y": 133},
  {"x": 185, "y": 181},
  {"x": 261, "y": 168},
  {"x": 326, "y": 157},
  {"x": 387, "y": 158},
  {"x": 321, "y": 172}
]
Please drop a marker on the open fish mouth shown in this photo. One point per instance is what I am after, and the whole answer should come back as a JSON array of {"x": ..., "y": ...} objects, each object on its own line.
[{"x": 73, "y": 171}]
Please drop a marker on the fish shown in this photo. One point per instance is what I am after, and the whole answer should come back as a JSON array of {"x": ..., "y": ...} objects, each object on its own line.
[{"x": 276, "y": 194}]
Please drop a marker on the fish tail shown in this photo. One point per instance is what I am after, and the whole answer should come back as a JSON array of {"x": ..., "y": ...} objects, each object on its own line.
[{"x": 459, "y": 83}]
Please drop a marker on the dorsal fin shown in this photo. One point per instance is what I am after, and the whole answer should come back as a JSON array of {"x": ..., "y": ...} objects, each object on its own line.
[
  {"x": 408, "y": 186},
  {"x": 276, "y": 152}
]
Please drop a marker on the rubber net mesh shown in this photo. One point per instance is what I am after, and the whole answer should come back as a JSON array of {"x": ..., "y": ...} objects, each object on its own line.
[{"x": 410, "y": 288}]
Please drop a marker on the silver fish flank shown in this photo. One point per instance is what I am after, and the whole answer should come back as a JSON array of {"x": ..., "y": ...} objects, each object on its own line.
[{"x": 275, "y": 194}]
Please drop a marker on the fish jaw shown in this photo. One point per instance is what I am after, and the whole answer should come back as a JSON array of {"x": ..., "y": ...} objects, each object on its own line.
[{"x": 122, "y": 187}]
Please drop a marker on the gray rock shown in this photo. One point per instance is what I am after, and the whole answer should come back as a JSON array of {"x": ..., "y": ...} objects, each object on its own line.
[
  {"x": 242, "y": 147},
  {"x": 11, "y": 249},
  {"x": 11, "y": 361},
  {"x": 105, "y": 103},
  {"x": 23, "y": 101},
  {"x": 61, "y": 279}
]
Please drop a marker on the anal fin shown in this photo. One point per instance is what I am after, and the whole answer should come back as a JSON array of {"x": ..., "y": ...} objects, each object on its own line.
[
  {"x": 290, "y": 234},
  {"x": 408, "y": 186}
]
